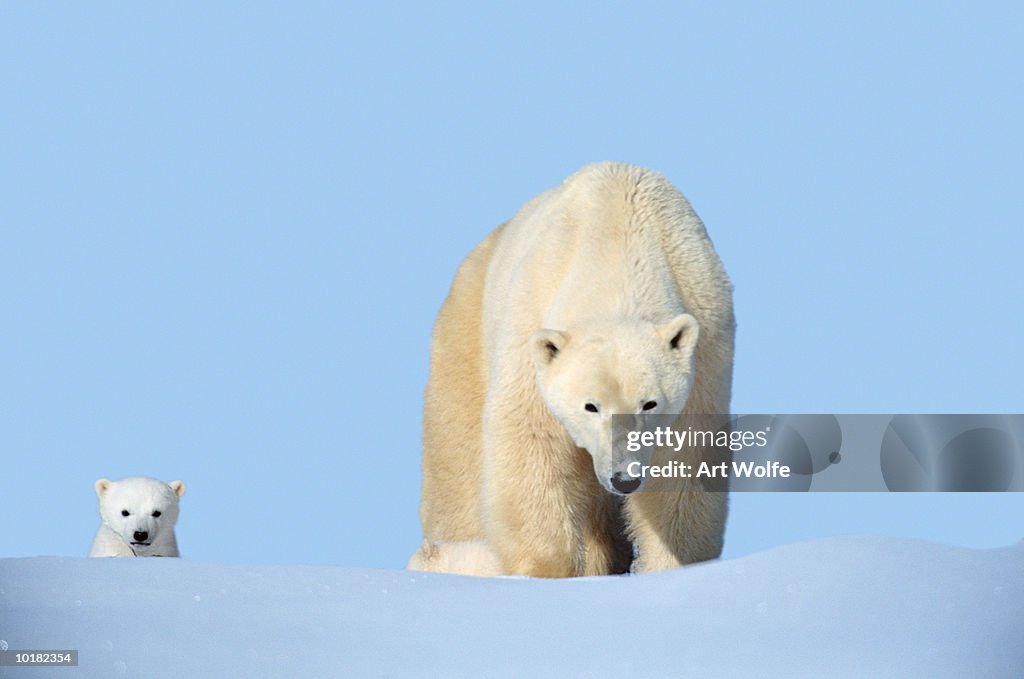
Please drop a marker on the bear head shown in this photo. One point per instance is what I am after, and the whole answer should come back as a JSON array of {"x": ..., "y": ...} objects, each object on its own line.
[
  {"x": 637, "y": 369},
  {"x": 139, "y": 509}
]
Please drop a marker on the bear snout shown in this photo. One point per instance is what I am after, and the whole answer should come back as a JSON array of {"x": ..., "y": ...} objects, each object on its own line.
[
  {"x": 624, "y": 483},
  {"x": 140, "y": 536}
]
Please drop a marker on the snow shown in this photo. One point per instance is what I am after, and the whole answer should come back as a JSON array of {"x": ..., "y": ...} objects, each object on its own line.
[{"x": 837, "y": 607}]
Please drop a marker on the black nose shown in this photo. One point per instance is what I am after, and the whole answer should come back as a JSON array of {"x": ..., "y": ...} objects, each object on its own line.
[
  {"x": 140, "y": 536},
  {"x": 625, "y": 484}
]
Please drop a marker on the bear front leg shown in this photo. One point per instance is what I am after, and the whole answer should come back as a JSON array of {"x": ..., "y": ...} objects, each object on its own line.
[
  {"x": 534, "y": 509},
  {"x": 608, "y": 551},
  {"x": 675, "y": 528}
]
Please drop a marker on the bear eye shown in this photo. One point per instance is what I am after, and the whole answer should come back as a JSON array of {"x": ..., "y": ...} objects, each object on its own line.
[
  {"x": 650, "y": 405},
  {"x": 156, "y": 513},
  {"x": 125, "y": 512},
  {"x": 590, "y": 408}
]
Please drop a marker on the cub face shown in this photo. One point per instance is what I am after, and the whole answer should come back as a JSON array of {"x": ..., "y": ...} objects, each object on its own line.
[
  {"x": 139, "y": 510},
  {"x": 590, "y": 373}
]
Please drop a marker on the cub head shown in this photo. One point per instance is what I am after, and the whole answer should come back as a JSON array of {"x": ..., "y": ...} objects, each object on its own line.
[
  {"x": 139, "y": 509},
  {"x": 589, "y": 373}
]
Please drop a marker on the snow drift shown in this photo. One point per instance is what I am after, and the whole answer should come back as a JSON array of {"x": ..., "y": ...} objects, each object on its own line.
[{"x": 837, "y": 607}]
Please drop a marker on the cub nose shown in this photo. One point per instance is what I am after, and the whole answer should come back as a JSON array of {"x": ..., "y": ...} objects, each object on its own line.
[
  {"x": 624, "y": 483},
  {"x": 140, "y": 536}
]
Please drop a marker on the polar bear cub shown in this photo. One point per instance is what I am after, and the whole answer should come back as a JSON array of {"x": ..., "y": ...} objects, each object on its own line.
[{"x": 138, "y": 515}]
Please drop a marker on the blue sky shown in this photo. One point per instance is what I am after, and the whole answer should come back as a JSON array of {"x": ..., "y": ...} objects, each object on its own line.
[{"x": 225, "y": 231}]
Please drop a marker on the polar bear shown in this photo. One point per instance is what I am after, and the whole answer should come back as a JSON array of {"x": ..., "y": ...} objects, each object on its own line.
[
  {"x": 602, "y": 296},
  {"x": 139, "y": 514}
]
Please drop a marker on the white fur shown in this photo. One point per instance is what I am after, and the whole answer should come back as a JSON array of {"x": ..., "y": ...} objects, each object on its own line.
[
  {"x": 472, "y": 557},
  {"x": 603, "y": 290},
  {"x": 148, "y": 528}
]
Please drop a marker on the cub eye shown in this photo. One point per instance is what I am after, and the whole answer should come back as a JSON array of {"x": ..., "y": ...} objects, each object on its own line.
[
  {"x": 650, "y": 405},
  {"x": 156, "y": 513},
  {"x": 590, "y": 408},
  {"x": 125, "y": 512}
]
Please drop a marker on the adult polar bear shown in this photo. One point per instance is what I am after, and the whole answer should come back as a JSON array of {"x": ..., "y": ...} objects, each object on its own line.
[{"x": 602, "y": 296}]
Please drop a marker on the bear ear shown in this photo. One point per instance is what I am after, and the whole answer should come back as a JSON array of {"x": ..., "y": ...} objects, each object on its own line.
[
  {"x": 178, "y": 487},
  {"x": 681, "y": 332},
  {"x": 102, "y": 486},
  {"x": 545, "y": 345}
]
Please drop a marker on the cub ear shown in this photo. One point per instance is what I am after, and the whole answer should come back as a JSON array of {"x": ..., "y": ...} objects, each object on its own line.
[
  {"x": 102, "y": 486},
  {"x": 681, "y": 332},
  {"x": 178, "y": 487},
  {"x": 545, "y": 345}
]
